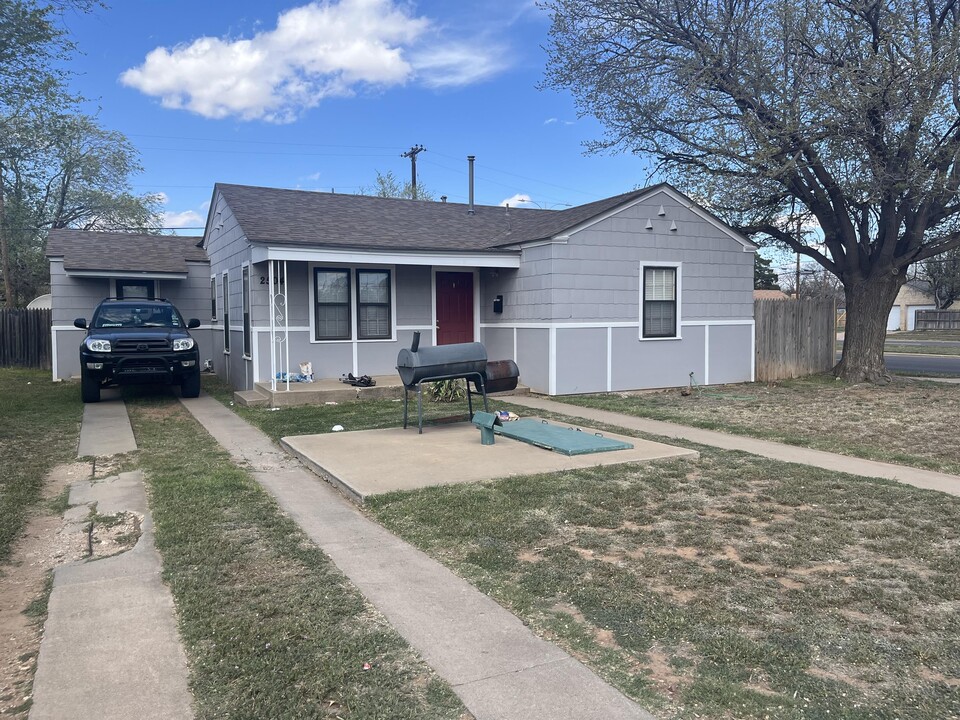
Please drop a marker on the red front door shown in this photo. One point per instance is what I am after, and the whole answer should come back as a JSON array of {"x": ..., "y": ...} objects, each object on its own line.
[{"x": 454, "y": 307}]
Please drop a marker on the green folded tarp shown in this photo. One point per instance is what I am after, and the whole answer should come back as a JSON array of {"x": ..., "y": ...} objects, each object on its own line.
[{"x": 568, "y": 441}]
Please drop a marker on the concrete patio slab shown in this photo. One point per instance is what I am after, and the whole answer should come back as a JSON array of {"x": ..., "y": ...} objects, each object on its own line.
[{"x": 373, "y": 462}]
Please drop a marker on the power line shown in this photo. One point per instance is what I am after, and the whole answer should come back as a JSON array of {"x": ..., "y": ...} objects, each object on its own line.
[
  {"x": 262, "y": 142},
  {"x": 525, "y": 177},
  {"x": 260, "y": 152}
]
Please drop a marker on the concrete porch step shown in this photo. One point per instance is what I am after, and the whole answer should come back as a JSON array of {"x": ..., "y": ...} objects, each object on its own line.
[{"x": 251, "y": 398}]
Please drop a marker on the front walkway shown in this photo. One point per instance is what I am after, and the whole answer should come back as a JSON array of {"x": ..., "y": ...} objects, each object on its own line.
[
  {"x": 497, "y": 666},
  {"x": 110, "y": 648},
  {"x": 927, "y": 479}
]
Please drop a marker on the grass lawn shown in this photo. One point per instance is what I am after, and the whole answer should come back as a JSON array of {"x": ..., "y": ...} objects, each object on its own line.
[
  {"x": 39, "y": 428},
  {"x": 922, "y": 349},
  {"x": 271, "y": 628},
  {"x": 729, "y": 587},
  {"x": 925, "y": 335},
  {"x": 905, "y": 422}
]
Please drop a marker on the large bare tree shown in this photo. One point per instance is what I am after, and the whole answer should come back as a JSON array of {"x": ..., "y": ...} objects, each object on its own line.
[{"x": 782, "y": 114}]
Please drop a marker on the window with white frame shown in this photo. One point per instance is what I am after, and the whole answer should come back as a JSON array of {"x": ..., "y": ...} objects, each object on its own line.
[
  {"x": 659, "y": 302},
  {"x": 373, "y": 304},
  {"x": 331, "y": 296}
]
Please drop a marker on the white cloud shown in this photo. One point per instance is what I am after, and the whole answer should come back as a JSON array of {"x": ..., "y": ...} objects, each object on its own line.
[
  {"x": 458, "y": 64},
  {"x": 315, "y": 51},
  {"x": 187, "y": 218},
  {"x": 517, "y": 200},
  {"x": 550, "y": 121}
]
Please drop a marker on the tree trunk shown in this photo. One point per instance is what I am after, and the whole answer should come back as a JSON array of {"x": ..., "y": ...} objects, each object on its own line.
[{"x": 868, "y": 307}]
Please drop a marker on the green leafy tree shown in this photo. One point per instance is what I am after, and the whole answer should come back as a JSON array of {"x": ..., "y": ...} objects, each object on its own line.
[
  {"x": 58, "y": 167},
  {"x": 764, "y": 278},
  {"x": 842, "y": 114}
]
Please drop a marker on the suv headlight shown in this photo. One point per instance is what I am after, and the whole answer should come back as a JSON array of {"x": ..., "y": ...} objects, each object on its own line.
[
  {"x": 94, "y": 345},
  {"x": 183, "y": 344}
]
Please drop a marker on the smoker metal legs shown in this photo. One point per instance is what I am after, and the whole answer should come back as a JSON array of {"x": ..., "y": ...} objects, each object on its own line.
[{"x": 476, "y": 378}]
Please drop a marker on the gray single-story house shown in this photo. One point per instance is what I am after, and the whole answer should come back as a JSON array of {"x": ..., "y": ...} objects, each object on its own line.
[
  {"x": 634, "y": 291},
  {"x": 86, "y": 267}
]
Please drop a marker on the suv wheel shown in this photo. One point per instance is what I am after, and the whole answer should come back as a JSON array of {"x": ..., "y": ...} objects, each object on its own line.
[
  {"x": 190, "y": 385},
  {"x": 89, "y": 388}
]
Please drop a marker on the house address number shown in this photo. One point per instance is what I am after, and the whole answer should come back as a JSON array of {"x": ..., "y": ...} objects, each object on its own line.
[{"x": 264, "y": 281}]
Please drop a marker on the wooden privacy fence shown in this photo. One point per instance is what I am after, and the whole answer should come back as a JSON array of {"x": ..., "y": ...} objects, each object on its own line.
[
  {"x": 938, "y": 320},
  {"x": 25, "y": 338},
  {"x": 794, "y": 338}
]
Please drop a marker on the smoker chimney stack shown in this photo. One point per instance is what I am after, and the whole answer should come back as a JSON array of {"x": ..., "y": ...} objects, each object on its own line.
[{"x": 470, "y": 159}]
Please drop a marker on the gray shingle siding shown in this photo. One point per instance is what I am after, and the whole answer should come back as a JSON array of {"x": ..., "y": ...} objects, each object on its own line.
[
  {"x": 414, "y": 296},
  {"x": 595, "y": 275}
]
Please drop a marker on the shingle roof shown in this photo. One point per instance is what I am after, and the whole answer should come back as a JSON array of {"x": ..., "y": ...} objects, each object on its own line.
[
  {"x": 298, "y": 217},
  {"x": 86, "y": 250}
]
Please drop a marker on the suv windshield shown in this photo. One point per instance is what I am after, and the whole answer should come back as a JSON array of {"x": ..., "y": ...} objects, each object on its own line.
[{"x": 130, "y": 315}]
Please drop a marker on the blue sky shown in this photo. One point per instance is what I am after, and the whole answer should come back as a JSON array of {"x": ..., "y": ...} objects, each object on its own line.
[{"x": 323, "y": 95}]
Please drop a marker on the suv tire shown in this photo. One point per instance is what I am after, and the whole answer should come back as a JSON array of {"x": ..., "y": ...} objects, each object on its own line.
[
  {"x": 190, "y": 385},
  {"x": 89, "y": 388}
]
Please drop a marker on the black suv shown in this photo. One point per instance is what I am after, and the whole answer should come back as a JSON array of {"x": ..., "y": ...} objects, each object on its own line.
[{"x": 137, "y": 341}]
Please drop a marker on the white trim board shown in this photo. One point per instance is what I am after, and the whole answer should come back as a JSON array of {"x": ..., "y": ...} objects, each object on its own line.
[
  {"x": 131, "y": 275},
  {"x": 601, "y": 324},
  {"x": 364, "y": 257}
]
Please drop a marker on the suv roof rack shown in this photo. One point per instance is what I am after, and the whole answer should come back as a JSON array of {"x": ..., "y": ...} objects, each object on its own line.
[{"x": 131, "y": 299}]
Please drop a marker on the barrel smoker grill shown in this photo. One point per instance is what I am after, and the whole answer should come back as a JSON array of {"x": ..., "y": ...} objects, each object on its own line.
[{"x": 467, "y": 361}]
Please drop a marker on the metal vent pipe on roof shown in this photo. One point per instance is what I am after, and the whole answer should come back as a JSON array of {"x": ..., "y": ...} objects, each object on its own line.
[{"x": 470, "y": 159}]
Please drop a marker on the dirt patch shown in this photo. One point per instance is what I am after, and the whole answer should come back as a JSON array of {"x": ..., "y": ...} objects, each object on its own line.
[
  {"x": 840, "y": 676},
  {"x": 790, "y": 583},
  {"x": 687, "y": 553},
  {"x": 661, "y": 672},
  {"x": 937, "y": 677},
  {"x": 44, "y": 545},
  {"x": 602, "y": 636},
  {"x": 114, "y": 534}
]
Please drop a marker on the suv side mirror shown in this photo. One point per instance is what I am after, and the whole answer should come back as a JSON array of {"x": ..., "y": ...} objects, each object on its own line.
[
  {"x": 80, "y": 323},
  {"x": 193, "y": 323}
]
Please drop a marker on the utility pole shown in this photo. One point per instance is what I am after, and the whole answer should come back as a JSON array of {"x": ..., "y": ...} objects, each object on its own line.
[{"x": 412, "y": 154}]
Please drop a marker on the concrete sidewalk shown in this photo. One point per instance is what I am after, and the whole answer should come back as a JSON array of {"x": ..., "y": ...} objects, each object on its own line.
[
  {"x": 110, "y": 648},
  {"x": 497, "y": 666},
  {"x": 917, "y": 477}
]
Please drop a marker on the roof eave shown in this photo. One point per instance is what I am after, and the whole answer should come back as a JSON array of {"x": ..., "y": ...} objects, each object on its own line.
[
  {"x": 145, "y": 274},
  {"x": 450, "y": 258}
]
